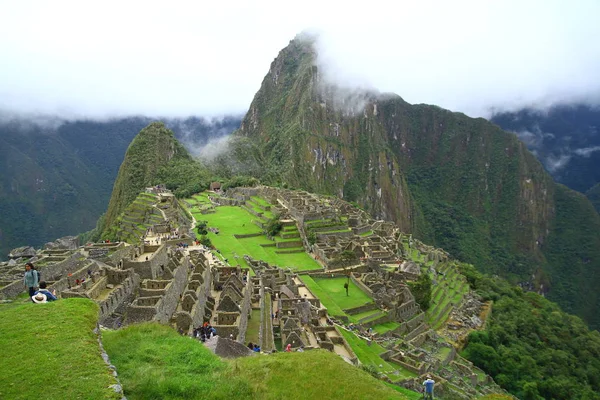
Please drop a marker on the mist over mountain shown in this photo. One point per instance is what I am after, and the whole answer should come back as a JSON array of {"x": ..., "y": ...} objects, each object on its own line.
[
  {"x": 565, "y": 138},
  {"x": 56, "y": 175}
]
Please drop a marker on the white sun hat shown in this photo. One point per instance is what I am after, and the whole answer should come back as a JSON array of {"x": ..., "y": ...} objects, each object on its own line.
[{"x": 39, "y": 298}]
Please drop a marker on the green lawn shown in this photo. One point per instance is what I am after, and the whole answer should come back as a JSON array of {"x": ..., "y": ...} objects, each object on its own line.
[
  {"x": 388, "y": 326},
  {"x": 370, "y": 355},
  {"x": 260, "y": 201},
  {"x": 332, "y": 294},
  {"x": 315, "y": 374},
  {"x": 49, "y": 351},
  {"x": 335, "y": 288},
  {"x": 332, "y": 308},
  {"x": 154, "y": 362},
  {"x": 235, "y": 220},
  {"x": 253, "y": 327}
]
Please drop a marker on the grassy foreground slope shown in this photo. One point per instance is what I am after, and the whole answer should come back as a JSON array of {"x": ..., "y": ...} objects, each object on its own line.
[
  {"x": 49, "y": 351},
  {"x": 155, "y": 362}
]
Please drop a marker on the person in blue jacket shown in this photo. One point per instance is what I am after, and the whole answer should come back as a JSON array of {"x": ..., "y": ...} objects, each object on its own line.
[
  {"x": 428, "y": 383},
  {"x": 50, "y": 295}
]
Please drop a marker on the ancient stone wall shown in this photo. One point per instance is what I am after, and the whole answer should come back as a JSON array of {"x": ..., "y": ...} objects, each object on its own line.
[
  {"x": 202, "y": 292},
  {"x": 168, "y": 304},
  {"x": 119, "y": 295},
  {"x": 150, "y": 269},
  {"x": 246, "y": 309}
]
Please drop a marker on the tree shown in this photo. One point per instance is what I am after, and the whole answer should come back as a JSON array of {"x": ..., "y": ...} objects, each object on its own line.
[
  {"x": 274, "y": 226},
  {"x": 205, "y": 240},
  {"x": 421, "y": 289},
  {"x": 201, "y": 227},
  {"x": 312, "y": 238}
]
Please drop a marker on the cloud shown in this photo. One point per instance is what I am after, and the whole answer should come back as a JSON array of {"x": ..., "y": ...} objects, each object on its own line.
[
  {"x": 534, "y": 138},
  {"x": 587, "y": 151},
  {"x": 212, "y": 149},
  {"x": 76, "y": 59},
  {"x": 554, "y": 163}
]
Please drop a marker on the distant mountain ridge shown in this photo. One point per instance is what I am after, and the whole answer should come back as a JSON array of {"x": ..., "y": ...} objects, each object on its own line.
[
  {"x": 461, "y": 183},
  {"x": 56, "y": 176},
  {"x": 566, "y": 139}
]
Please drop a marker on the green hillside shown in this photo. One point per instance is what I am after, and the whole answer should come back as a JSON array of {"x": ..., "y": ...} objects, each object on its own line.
[
  {"x": 155, "y": 362},
  {"x": 50, "y": 351},
  {"x": 154, "y": 157},
  {"x": 459, "y": 183},
  {"x": 594, "y": 196}
]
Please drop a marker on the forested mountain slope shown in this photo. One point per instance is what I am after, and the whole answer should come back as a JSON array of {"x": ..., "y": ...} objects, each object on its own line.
[{"x": 56, "y": 176}]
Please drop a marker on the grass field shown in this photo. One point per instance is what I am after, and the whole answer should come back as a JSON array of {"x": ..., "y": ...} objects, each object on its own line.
[
  {"x": 49, "y": 351},
  {"x": 388, "y": 326},
  {"x": 370, "y": 355},
  {"x": 335, "y": 288},
  {"x": 235, "y": 220},
  {"x": 154, "y": 362},
  {"x": 332, "y": 294},
  {"x": 253, "y": 327}
]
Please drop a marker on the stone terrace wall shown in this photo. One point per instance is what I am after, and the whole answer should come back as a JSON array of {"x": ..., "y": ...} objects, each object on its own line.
[
  {"x": 246, "y": 309},
  {"x": 117, "y": 296},
  {"x": 168, "y": 304},
  {"x": 203, "y": 292}
]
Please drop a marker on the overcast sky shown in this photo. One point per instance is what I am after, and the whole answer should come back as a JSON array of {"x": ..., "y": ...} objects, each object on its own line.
[{"x": 180, "y": 58}]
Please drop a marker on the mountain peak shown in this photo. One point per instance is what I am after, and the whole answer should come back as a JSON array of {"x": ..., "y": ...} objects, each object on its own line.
[{"x": 153, "y": 148}]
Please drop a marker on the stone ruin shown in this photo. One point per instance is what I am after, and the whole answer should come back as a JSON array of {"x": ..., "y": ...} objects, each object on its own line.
[{"x": 185, "y": 288}]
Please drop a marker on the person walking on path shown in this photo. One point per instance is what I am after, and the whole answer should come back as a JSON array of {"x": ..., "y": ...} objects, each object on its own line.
[
  {"x": 428, "y": 383},
  {"x": 31, "y": 278}
]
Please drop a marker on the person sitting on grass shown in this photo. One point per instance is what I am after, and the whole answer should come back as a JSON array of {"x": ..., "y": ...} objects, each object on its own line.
[
  {"x": 39, "y": 298},
  {"x": 50, "y": 295}
]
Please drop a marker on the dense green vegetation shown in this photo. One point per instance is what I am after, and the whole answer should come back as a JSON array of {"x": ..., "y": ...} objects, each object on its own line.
[
  {"x": 593, "y": 195},
  {"x": 155, "y": 362},
  {"x": 531, "y": 347},
  {"x": 572, "y": 249},
  {"x": 421, "y": 289},
  {"x": 50, "y": 351},
  {"x": 154, "y": 157},
  {"x": 56, "y": 177}
]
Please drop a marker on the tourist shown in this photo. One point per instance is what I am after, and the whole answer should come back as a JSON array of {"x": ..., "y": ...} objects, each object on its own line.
[
  {"x": 50, "y": 296},
  {"x": 300, "y": 349},
  {"x": 428, "y": 383},
  {"x": 31, "y": 278},
  {"x": 250, "y": 346},
  {"x": 288, "y": 348},
  {"x": 39, "y": 298},
  {"x": 256, "y": 348}
]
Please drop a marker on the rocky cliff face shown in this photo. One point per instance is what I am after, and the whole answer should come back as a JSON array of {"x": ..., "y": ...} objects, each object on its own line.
[
  {"x": 459, "y": 182},
  {"x": 307, "y": 135}
]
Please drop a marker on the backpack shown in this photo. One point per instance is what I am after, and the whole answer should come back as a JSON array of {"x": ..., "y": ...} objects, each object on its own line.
[{"x": 39, "y": 276}]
